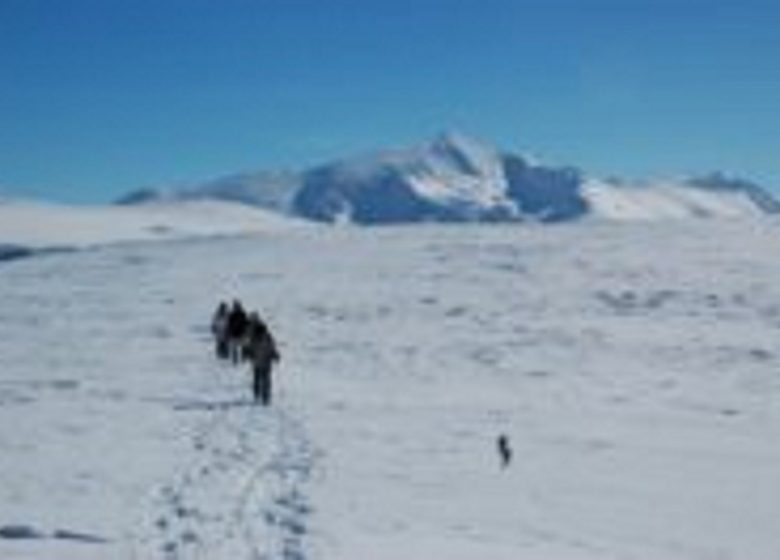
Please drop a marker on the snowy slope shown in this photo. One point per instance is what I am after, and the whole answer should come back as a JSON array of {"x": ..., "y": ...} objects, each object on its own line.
[
  {"x": 273, "y": 191},
  {"x": 34, "y": 224},
  {"x": 666, "y": 200},
  {"x": 634, "y": 368}
]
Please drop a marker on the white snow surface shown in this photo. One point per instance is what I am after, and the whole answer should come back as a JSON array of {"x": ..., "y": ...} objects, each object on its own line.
[
  {"x": 442, "y": 178},
  {"x": 40, "y": 224},
  {"x": 665, "y": 200},
  {"x": 634, "y": 368}
]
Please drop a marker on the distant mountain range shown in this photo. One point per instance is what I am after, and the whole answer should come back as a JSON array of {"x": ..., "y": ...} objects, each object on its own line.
[{"x": 454, "y": 178}]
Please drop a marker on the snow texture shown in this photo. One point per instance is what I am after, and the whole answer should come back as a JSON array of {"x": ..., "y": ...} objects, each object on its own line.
[
  {"x": 26, "y": 225},
  {"x": 668, "y": 200},
  {"x": 633, "y": 368}
]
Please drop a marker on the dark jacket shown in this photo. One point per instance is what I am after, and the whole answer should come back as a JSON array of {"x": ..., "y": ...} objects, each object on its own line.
[{"x": 236, "y": 322}]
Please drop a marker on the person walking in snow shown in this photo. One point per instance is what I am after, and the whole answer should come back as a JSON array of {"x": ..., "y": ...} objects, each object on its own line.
[
  {"x": 219, "y": 329},
  {"x": 262, "y": 352},
  {"x": 236, "y": 329},
  {"x": 504, "y": 450}
]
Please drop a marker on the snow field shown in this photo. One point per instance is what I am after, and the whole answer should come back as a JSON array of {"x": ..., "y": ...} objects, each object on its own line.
[{"x": 633, "y": 367}]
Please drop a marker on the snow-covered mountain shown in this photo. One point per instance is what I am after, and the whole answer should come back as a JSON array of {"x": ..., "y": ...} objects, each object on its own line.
[
  {"x": 454, "y": 178},
  {"x": 270, "y": 190},
  {"x": 708, "y": 197}
]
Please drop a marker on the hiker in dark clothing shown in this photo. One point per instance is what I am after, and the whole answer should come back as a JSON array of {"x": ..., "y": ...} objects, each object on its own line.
[
  {"x": 261, "y": 349},
  {"x": 236, "y": 329},
  {"x": 219, "y": 330},
  {"x": 504, "y": 450}
]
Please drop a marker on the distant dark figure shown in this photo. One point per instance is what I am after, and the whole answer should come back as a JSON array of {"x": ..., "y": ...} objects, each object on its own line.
[
  {"x": 236, "y": 329},
  {"x": 261, "y": 349},
  {"x": 504, "y": 450},
  {"x": 219, "y": 330}
]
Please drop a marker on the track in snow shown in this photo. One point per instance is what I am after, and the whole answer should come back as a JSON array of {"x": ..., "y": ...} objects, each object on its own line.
[{"x": 243, "y": 492}]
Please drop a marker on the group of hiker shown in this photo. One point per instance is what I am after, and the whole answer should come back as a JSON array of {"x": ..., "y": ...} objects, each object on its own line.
[{"x": 243, "y": 337}]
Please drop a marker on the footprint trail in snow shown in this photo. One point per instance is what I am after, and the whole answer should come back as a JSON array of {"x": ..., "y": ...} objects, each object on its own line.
[{"x": 243, "y": 493}]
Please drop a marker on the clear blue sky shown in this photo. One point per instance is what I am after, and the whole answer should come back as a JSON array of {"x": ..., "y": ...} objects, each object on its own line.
[{"x": 101, "y": 96}]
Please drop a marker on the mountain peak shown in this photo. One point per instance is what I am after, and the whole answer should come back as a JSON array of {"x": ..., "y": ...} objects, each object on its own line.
[
  {"x": 468, "y": 154},
  {"x": 458, "y": 140}
]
